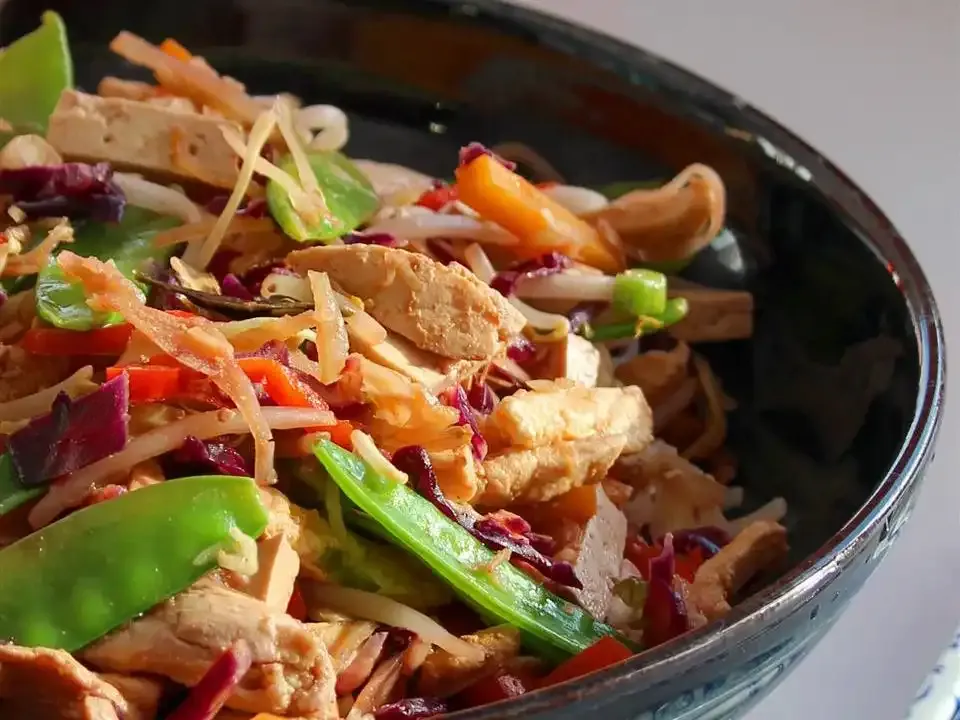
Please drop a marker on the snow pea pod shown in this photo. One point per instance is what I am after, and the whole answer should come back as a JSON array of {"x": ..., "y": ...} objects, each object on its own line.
[
  {"x": 349, "y": 197},
  {"x": 34, "y": 71},
  {"x": 129, "y": 243},
  {"x": 79, "y": 578},
  {"x": 498, "y": 590}
]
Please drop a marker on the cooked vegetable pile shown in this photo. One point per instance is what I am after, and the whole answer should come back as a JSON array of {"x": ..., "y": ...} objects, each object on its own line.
[{"x": 290, "y": 434}]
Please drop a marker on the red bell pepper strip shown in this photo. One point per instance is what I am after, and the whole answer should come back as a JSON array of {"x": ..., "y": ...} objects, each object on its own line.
[
  {"x": 438, "y": 198},
  {"x": 297, "y": 607},
  {"x": 110, "y": 340},
  {"x": 282, "y": 384},
  {"x": 604, "y": 652},
  {"x": 688, "y": 563}
]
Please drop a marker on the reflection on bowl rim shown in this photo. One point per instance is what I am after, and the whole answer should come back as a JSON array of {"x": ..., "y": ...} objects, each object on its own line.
[{"x": 877, "y": 233}]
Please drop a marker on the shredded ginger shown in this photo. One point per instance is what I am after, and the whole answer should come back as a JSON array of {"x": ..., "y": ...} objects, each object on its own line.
[{"x": 194, "y": 342}]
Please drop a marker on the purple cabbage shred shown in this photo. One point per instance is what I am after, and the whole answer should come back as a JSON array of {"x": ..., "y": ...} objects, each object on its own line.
[
  {"x": 74, "y": 190},
  {"x": 481, "y": 398},
  {"x": 441, "y": 253},
  {"x": 382, "y": 239},
  {"x": 456, "y": 397},
  {"x": 411, "y": 709},
  {"x": 231, "y": 286},
  {"x": 521, "y": 350},
  {"x": 709, "y": 539},
  {"x": 205, "y": 699},
  {"x": 74, "y": 434},
  {"x": 506, "y": 282},
  {"x": 471, "y": 152},
  {"x": 207, "y": 457},
  {"x": 663, "y": 609},
  {"x": 493, "y": 530},
  {"x": 583, "y": 314},
  {"x": 273, "y": 350}
]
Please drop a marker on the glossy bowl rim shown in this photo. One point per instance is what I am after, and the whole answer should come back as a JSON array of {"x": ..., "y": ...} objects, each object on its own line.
[{"x": 876, "y": 232}]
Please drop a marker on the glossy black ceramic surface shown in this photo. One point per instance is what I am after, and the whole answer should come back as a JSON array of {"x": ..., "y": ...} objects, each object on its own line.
[{"x": 840, "y": 391}]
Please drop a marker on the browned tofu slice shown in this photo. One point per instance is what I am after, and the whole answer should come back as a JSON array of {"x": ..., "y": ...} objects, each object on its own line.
[
  {"x": 571, "y": 358},
  {"x": 558, "y": 411},
  {"x": 756, "y": 547},
  {"x": 444, "y": 309},
  {"x": 548, "y": 471},
  {"x": 144, "y": 137}
]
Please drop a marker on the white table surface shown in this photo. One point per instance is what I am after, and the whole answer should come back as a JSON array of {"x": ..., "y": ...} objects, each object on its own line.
[{"x": 875, "y": 86}]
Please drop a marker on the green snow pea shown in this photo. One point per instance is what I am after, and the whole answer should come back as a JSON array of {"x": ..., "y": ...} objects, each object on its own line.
[
  {"x": 12, "y": 493},
  {"x": 74, "y": 581},
  {"x": 558, "y": 627},
  {"x": 640, "y": 292},
  {"x": 34, "y": 71},
  {"x": 349, "y": 196},
  {"x": 129, "y": 243}
]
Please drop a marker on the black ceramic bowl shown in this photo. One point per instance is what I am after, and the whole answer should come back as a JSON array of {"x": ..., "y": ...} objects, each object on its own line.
[{"x": 839, "y": 393}]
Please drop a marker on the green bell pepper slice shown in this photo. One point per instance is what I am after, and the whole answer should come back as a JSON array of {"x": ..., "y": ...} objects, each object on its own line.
[
  {"x": 129, "y": 243},
  {"x": 505, "y": 593},
  {"x": 349, "y": 196},
  {"x": 12, "y": 493},
  {"x": 74, "y": 581},
  {"x": 34, "y": 71}
]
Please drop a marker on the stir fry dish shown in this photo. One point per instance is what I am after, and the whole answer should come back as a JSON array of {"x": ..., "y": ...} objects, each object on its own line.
[{"x": 290, "y": 434}]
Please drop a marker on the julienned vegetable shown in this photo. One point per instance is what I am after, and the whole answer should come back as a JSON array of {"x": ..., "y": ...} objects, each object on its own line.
[
  {"x": 543, "y": 225},
  {"x": 34, "y": 70},
  {"x": 349, "y": 197},
  {"x": 128, "y": 243},
  {"x": 82, "y": 576},
  {"x": 500, "y": 591}
]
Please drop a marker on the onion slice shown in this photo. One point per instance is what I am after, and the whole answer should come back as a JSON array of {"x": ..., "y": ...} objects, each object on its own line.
[
  {"x": 73, "y": 491},
  {"x": 370, "y": 606},
  {"x": 426, "y": 225},
  {"x": 158, "y": 198}
]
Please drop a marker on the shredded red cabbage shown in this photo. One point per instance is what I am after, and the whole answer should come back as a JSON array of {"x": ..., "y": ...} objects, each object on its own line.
[
  {"x": 665, "y": 616},
  {"x": 471, "y": 152},
  {"x": 232, "y": 287},
  {"x": 489, "y": 530},
  {"x": 73, "y": 434},
  {"x": 482, "y": 398},
  {"x": 253, "y": 278},
  {"x": 709, "y": 539},
  {"x": 206, "y": 457},
  {"x": 456, "y": 397},
  {"x": 521, "y": 350},
  {"x": 383, "y": 239},
  {"x": 506, "y": 282},
  {"x": 273, "y": 350},
  {"x": 411, "y": 709},
  {"x": 74, "y": 190},
  {"x": 208, "y": 696}
]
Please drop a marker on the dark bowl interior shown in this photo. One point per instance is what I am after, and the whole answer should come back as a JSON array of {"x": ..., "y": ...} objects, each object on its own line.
[{"x": 828, "y": 387}]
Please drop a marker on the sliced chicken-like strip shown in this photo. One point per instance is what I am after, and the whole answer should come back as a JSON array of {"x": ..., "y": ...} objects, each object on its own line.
[
  {"x": 756, "y": 547},
  {"x": 277, "y": 568},
  {"x": 141, "y": 693},
  {"x": 444, "y": 309},
  {"x": 291, "y": 674},
  {"x": 713, "y": 315},
  {"x": 433, "y": 371},
  {"x": 557, "y": 411},
  {"x": 44, "y": 684},
  {"x": 545, "y": 472}
]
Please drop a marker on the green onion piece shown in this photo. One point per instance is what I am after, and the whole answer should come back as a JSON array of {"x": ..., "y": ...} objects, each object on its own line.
[
  {"x": 674, "y": 312},
  {"x": 641, "y": 292}
]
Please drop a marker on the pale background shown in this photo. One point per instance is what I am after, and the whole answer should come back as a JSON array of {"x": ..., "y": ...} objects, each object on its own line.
[{"x": 874, "y": 85}]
